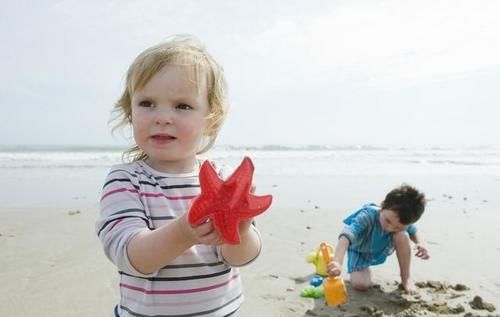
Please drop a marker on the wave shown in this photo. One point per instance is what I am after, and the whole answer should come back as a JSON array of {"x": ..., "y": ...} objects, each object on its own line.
[
  {"x": 273, "y": 155},
  {"x": 267, "y": 147},
  {"x": 469, "y": 163},
  {"x": 59, "y": 148}
]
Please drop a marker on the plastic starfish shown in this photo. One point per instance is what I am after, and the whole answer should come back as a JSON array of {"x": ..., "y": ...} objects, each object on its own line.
[{"x": 228, "y": 202}]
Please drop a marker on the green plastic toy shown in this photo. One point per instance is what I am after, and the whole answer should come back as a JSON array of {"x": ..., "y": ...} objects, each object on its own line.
[{"x": 311, "y": 291}]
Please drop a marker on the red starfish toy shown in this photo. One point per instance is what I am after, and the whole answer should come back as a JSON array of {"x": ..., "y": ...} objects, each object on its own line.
[{"x": 227, "y": 202}]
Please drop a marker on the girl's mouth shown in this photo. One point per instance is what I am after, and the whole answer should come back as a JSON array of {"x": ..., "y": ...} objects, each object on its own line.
[{"x": 162, "y": 138}]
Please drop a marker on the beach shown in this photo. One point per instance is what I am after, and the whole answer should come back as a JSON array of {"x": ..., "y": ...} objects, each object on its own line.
[{"x": 53, "y": 264}]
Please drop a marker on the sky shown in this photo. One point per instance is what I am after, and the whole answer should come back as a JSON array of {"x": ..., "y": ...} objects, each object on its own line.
[{"x": 371, "y": 72}]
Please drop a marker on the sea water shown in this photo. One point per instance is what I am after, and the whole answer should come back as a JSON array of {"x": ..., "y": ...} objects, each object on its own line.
[{"x": 61, "y": 175}]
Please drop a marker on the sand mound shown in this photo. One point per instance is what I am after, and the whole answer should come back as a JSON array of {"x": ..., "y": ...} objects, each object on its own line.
[{"x": 433, "y": 298}]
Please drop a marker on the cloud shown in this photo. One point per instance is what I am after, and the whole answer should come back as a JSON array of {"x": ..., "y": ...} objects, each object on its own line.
[{"x": 385, "y": 42}]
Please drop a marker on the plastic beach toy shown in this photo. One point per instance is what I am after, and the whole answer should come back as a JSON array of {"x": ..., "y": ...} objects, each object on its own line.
[
  {"x": 316, "y": 258},
  {"x": 316, "y": 281},
  {"x": 334, "y": 287},
  {"x": 228, "y": 202},
  {"x": 311, "y": 291}
]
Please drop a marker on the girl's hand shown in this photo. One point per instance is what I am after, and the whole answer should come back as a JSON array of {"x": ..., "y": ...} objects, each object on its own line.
[
  {"x": 421, "y": 252},
  {"x": 244, "y": 226},
  {"x": 334, "y": 268},
  {"x": 204, "y": 233},
  {"x": 207, "y": 234}
]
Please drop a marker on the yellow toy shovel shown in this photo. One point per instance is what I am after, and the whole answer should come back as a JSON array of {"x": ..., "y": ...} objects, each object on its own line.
[{"x": 334, "y": 287}]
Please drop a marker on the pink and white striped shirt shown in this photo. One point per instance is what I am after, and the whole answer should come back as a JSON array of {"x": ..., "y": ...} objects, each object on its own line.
[{"x": 197, "y": 283}]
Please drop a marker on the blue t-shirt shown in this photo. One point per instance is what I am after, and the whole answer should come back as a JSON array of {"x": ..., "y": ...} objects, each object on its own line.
[{"x": 369, "y": 243}]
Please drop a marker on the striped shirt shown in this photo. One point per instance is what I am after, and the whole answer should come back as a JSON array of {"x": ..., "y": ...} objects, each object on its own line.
[
  {"x": 369, "y": 244},
  {"x": 196, "y": 283}
]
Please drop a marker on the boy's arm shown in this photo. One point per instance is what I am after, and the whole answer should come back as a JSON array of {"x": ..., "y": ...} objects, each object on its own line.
[
  {"x": 419, "y": 246},
  {"x": 357, "y": 226},
  {"x": 335, "y": 267},
  {"x": 341, "y": 249},
  {"x": 416, "y": 238}
]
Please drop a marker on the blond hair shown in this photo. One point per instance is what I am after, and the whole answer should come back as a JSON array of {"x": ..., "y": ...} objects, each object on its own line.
[{"x": 180, "y": 50}]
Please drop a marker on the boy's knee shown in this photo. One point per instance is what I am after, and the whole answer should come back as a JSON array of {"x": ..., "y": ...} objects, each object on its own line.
[
  {"x": 360, "y": 285},
  {"x": 360, "y": 280}
]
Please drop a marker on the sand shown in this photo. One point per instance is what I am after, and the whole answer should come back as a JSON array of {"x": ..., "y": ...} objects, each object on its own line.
[
  {"x": 53, "y": 265},
  {"x": 448, "y": 282}
]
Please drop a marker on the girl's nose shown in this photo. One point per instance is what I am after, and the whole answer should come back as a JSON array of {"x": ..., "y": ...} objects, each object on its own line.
[{"x": 163, "y": 116}]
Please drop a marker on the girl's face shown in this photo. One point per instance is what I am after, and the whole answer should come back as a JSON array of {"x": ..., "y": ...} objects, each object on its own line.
[
  {"x": 169, "y": 119},
  {"x": 389, "y": 220}
]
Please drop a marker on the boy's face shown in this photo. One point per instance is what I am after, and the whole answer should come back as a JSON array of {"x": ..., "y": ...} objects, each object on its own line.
[{"x": 389, "y": 220}]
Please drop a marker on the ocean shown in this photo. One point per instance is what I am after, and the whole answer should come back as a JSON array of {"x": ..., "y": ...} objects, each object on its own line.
[
  {"x": 59, "y": 175},
  {"x": 276, "y": 160}
]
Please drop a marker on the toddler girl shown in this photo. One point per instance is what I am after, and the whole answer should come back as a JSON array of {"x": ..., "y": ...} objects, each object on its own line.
[{"x": 175, "y": 101}]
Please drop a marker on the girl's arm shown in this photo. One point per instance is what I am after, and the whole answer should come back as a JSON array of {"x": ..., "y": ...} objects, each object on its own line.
[
  {"x": 250, "y": 244},
  {"x": 129, "y": 243},
  {"x": 150, "y": 250},
  {"x": 248, "y": 249}
]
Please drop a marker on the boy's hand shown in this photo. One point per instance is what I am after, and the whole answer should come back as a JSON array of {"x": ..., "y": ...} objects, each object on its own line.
[
  {"x": 334, "y": 268},
  {"x": 409, "y": 287},
  {"x": 421, "y": 252}
]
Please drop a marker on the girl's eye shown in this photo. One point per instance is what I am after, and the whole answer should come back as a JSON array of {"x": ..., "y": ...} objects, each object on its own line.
[
  {"x": 145, "y": 104},
  {"x": 184, "y": 106}
]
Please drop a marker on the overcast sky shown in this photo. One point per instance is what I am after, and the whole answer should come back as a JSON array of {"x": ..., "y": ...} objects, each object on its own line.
[{"x": 299, "y": 72}]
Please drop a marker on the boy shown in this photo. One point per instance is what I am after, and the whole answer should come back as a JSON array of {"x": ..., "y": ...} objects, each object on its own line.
[{"x": 372, "y": 233}]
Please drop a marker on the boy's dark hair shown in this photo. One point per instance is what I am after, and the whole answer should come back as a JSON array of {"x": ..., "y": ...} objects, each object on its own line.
[{"x": 407, "y": 202}]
